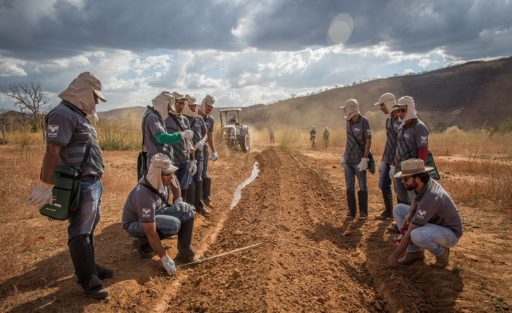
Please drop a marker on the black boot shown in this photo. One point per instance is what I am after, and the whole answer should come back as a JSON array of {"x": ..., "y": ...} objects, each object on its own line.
[
  {"x": 191, "y": 193},
  {"x": 143, "y": 248},
  {"x": 103, "y": 272},
  {"x": 186, "y": 253},
  {"x": 388, "y": 207},
  {"x": 82, "y": 256},
  {"x": 362, "y": 198},
  {"x": 199, "y": 204},
  {"x": 207, "y": 187},
  {"x": 351, "y": 200}
]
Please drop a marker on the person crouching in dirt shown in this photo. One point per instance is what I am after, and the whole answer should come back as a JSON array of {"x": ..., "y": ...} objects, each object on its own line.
[
  {"x": 182, "y": 154},
  {"x": 412, "y": 142},
  {"x": 206, "y": 111},
  {"x": 432, "y": 222},
  {"x": 326, "y": 137},
  {"x": 148, "y": 216},
  {"x": 387, "y": 104},
  {"x": 355, "y": 158},
  {"x": 195, "y": 187},
  {"x": 71, "y": 141},
  {"x": 312, "y": 137}
]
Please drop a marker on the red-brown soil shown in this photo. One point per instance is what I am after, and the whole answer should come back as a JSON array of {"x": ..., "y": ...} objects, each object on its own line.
[{"x": 311, "y": 259}]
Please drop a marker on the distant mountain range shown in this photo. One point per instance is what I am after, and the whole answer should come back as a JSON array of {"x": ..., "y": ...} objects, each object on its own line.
[{"x": 471, "y": 95}]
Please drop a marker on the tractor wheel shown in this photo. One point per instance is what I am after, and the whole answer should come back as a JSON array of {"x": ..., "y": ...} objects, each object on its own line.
[{"x": 245, "y": 143}]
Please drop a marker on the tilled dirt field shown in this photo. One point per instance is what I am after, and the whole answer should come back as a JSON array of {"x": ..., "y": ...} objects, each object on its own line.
[{"x": 309, "y": 258}]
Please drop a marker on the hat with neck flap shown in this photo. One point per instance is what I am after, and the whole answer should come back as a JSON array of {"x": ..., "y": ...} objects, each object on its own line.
[
  {"x": 351, "y": 108},
  {"x": 81, "y": 92},
  {"x": 389, "y": 101},
  {"x": 178, "y": 96},
  {"x": 162, "y": 102},
  {"x": 208, "y": 100},
  {"x": 160, "y": 163},
  {"x": 411, "y": 107},
  {"x": 186, "y": 110}
]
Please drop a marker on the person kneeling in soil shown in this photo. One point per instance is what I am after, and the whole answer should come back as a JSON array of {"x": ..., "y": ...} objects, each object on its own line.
[
  {"x": 432, "y": 222},
  {"x": 149, "y": 218}
]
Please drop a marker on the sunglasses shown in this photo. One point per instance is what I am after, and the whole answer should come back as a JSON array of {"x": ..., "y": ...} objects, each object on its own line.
[{"x": 402, "y": 110}]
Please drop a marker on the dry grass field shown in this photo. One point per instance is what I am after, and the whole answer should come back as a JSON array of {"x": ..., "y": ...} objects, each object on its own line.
[{"x": 311, "y": 258}]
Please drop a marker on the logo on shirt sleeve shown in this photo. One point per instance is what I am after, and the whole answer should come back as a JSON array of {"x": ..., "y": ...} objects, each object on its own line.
[
  {"x": 423, "y": 139},
  {"x": 53, "y": 130},
  {"x": 146, "y": 212},
  {"x": 421, "y": 214}
]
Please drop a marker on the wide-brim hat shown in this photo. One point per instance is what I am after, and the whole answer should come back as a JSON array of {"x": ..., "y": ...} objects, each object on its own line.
[
  {"x": 412, "y": 167},
  {"x": 94, "y": 82}
]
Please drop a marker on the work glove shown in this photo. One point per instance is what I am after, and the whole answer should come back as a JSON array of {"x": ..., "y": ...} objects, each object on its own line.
[
  {"x": 168, "y": 265},
  {"x": 187, "y": 134},
  {"x": 214, "y": 156},
  {"x": 193, "y": 167},
  {"x": 363, "y": 165},
  {"x": 392, "y": 172},
  {"x": 342, "y": 160},
  {"x": 40, "y": 195},
  {"x": 199, "y": 145}
]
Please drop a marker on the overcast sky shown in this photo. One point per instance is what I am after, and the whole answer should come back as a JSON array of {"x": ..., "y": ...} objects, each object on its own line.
[{"x": 241, "y": 52}]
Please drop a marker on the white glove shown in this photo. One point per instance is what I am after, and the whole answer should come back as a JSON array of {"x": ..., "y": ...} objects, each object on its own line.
[
  {"x": 178, "y": 200},
  {"x": 199, "y": 145},
  {"x": 363, "y": 165},
  {"x": 169, "y": 265},
  {"x": 187, "y": 134},
  {"x": 392, "y": 172},
  {"x": 342, "y": 160},
  {"x": 214, "y": 156},
  {"x": 193, "y": 167},
  {"x": 40, "y": 195}
]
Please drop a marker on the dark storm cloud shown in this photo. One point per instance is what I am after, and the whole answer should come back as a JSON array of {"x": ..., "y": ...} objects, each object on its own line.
[{"x": 464, "y": 28}]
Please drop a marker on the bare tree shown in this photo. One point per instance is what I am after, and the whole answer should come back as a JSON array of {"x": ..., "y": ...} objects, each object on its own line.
[{"x": 29, "y": 98}]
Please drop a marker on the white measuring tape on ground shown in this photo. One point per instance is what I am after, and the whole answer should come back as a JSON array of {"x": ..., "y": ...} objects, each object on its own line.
[{"x": 220, "y": 254}]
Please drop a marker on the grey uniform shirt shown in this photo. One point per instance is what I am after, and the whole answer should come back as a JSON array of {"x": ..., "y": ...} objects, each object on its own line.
[
  {"x": 70, "y": 129},
  {"x": 152, "y": 125},
  {"x": 410, "y": 137},
  {"x": 435, "y": 206},
  {"x": 209, "y": 121},
  {"x": 142, "y": 205},
  {"x": 357, "y": 133},
  {"x": 199, "y": 128},
  {"x": 391, "y": 137},
  {"x": 180, "y": 154}
]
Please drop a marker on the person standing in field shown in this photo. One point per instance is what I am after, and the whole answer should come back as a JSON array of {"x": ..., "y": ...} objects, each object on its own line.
[
  {"x": 326, "y": 137},
  {"x": 387, "y": 104},
  {"x": 195, "y": 188},
  {"x": 156, "y": 139},
  {"x": 271, "y": 134},
  {"x": 206, "y": 111},
  {"x": 182, "y": 151},
  {"x": 312, "y": 137},
  {"x": 355, "y": 158},
  {"x": 71, "y": 140},
  {"x": 412, "y": 142}
]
